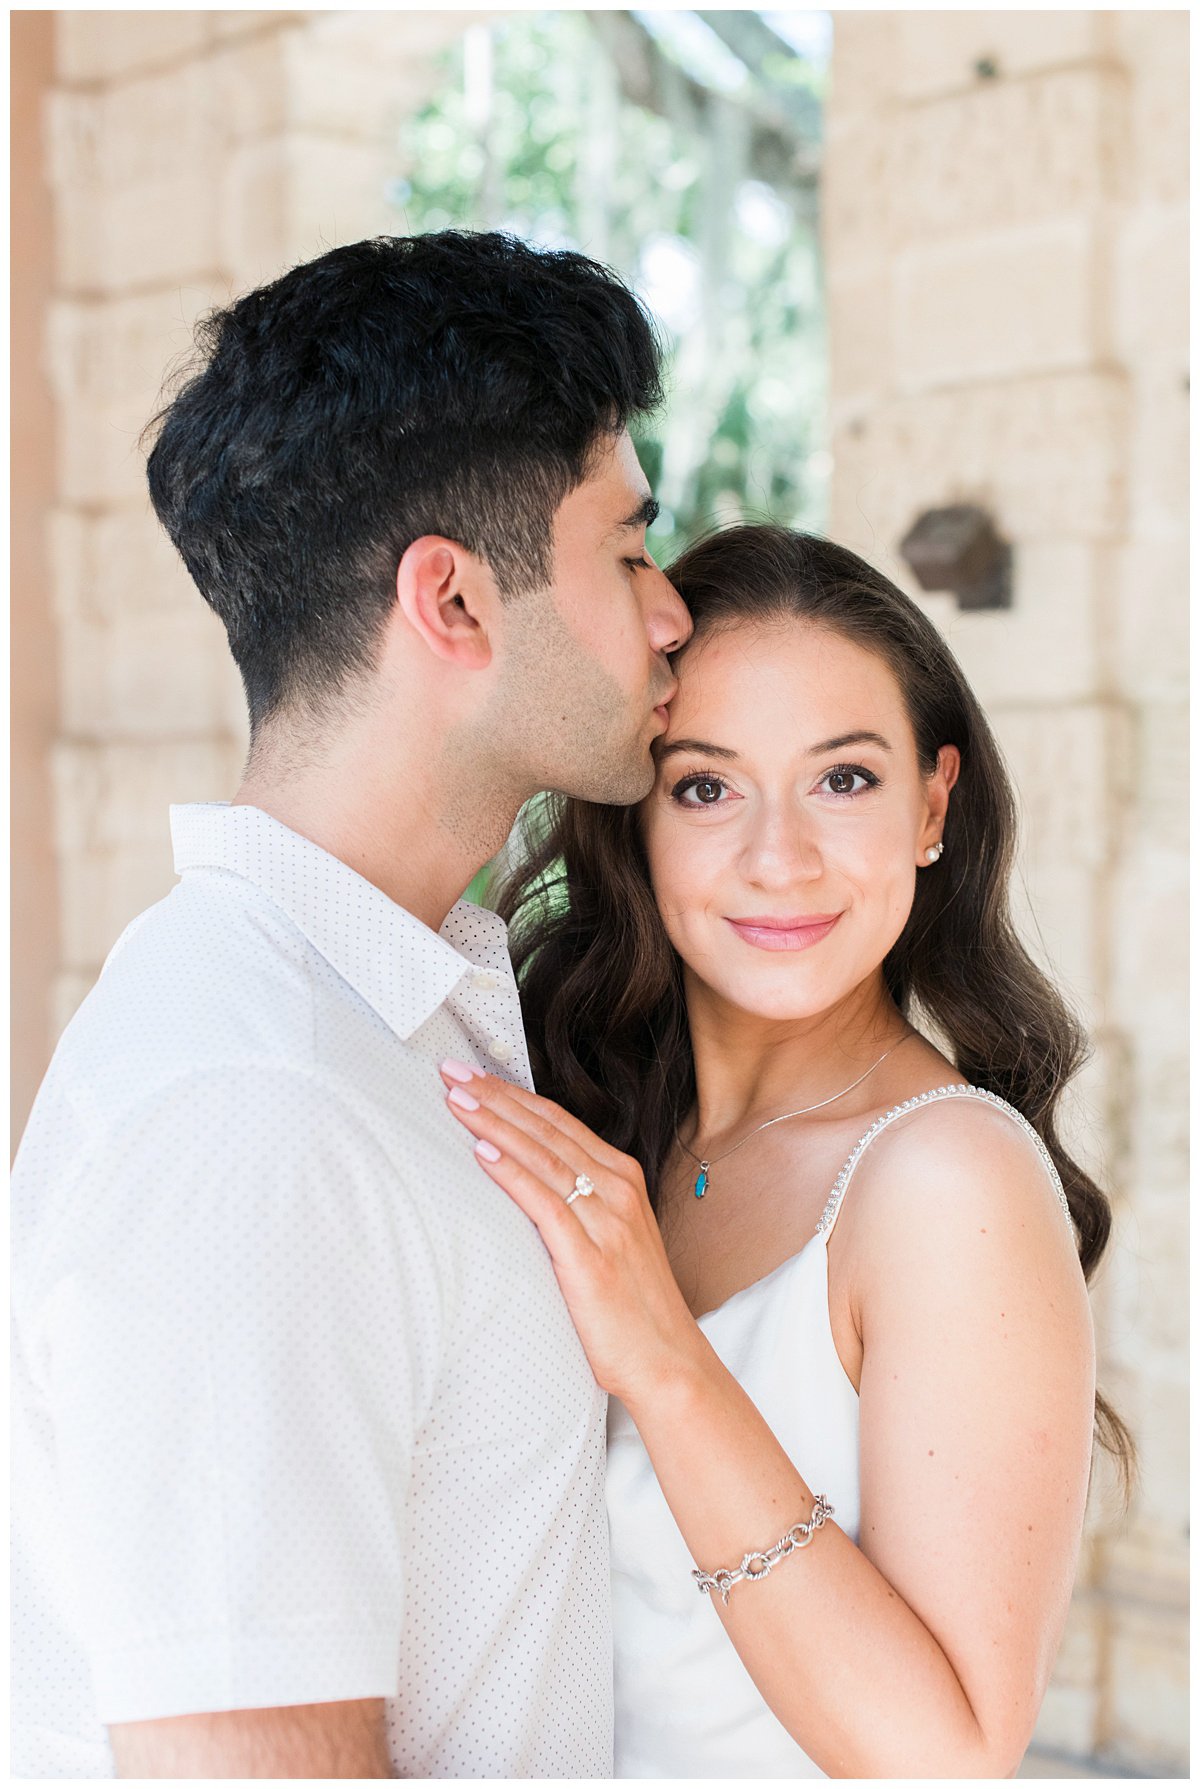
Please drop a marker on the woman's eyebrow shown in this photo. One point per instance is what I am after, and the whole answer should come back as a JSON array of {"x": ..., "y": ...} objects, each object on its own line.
[
  {"x": 700, "y": 746},
  {"x": 844, "y": 739},
  {"x": 704, "y": 748}
]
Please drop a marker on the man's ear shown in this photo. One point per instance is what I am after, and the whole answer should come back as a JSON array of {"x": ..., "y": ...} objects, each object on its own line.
[{"x": 448, "y": 597}]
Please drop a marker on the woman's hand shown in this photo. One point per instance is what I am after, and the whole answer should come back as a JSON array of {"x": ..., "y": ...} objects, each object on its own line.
[{"x": 605, "y": 1246}]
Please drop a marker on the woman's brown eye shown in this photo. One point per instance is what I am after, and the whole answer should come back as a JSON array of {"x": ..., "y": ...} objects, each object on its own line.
[
  {"x": 683, "y": 792},
  {"x": 849, "y": 780}
]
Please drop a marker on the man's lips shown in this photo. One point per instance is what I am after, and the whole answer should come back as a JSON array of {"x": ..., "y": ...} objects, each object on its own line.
[{"x": 768, "y": 933}]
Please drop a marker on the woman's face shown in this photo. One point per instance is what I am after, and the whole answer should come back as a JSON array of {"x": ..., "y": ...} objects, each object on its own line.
[{"x": 789, "y": 817}]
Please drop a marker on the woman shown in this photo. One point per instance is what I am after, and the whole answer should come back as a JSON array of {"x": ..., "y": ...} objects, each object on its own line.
[{"x": 804, "y": 1194}]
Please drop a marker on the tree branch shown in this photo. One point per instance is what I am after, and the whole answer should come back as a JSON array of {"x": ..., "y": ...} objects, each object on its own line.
[
  {"x": 781, "y": 153},
  {"x": 756, "y": 46}
]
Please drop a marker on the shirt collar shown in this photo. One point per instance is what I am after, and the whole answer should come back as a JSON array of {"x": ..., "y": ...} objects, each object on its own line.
[{"x": 402, "y": 968}]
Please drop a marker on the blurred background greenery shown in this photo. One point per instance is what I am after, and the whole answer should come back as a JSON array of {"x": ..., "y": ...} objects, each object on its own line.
[{"x": 683, "y": 150}]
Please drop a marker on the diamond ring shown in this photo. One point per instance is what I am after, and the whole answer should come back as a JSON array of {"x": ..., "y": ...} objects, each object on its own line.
[{"x": 583, "y": 1187}]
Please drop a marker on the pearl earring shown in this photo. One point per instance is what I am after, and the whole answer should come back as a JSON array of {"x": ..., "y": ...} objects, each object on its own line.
[{"x": 934, "y": 852}]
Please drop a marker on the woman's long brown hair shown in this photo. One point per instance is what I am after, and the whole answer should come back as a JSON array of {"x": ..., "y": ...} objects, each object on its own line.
[{"x": 601, "y": 984}]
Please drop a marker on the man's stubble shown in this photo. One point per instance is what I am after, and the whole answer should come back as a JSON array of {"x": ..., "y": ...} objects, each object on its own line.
[{"x": 558, "y": 721}]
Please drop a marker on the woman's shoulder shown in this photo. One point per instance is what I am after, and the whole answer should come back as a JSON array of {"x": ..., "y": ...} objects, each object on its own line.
[
  {"x": 957, "y": 1162},
  {"x": 953, "y": 1214},
  {"x": 939, "y": 1123},
  {"x": 948, "y": 1188}
]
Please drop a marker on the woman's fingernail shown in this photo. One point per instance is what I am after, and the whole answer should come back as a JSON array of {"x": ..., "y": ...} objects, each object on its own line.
[
  {"x": 460, "y": 1071},
  {"x": 459, "y": 1096},
  {"x": 487, "y": 1150}
]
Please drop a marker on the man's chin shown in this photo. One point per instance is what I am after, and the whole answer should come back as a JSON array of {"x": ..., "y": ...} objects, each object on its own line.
[{"x": 615, "y": 785}]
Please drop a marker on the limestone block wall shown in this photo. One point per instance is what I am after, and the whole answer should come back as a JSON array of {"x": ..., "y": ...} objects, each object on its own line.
[
  {"x": 33, "y": 679},
  {"x": 1005, "y": 205},
  {"x": 191, "y": 155}
]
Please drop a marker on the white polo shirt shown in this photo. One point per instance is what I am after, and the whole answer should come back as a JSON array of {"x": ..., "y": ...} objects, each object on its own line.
[{"x": 300, "y": 1413}]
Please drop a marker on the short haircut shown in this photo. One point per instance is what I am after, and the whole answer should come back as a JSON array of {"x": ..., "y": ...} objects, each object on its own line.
[{"x": 455, "y": 384}]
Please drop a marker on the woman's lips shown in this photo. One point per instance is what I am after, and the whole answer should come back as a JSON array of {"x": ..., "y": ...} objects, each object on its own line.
[{"x": 788, "y": 934}]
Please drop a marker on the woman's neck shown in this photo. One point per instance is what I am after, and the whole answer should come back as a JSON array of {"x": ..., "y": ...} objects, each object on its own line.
[{"x": 750, "y": 1069}]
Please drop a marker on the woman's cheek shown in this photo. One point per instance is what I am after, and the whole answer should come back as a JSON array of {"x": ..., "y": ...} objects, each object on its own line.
[
  {"x": 687, "y": 871},
  {"x": 899, "y": 904},
  {"x": 686, "y": 919},
  {"x": 672, "y": 862},
  {"x": 670, "y": 892}
]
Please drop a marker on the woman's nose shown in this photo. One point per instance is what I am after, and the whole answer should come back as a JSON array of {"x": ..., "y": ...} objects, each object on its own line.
[{"x": 781, "y": 849}]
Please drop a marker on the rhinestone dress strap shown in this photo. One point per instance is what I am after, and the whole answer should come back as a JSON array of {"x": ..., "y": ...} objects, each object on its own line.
[{"x": 958, "y": 1090}]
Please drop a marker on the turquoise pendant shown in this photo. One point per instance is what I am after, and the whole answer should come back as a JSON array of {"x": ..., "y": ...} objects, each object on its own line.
[{"x": 702, "y": 1181}]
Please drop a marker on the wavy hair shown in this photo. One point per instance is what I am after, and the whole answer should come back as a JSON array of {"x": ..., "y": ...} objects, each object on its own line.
[{"x": 601, "y": 983}]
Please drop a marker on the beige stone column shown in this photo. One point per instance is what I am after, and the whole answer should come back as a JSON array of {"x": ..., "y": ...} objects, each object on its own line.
[
  {"x": 33, "y": 674},
  {"x": 1005, "y": 231},
  {"x": 1147, "y": 1567},
  {"x": 191, "y": 155}
]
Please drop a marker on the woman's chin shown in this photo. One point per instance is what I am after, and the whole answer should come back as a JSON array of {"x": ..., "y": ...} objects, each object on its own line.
[{"x": 775, "y": 1005}]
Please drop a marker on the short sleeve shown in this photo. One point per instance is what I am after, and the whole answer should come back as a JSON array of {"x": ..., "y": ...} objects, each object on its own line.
[{"x": 240, "y": 1326}]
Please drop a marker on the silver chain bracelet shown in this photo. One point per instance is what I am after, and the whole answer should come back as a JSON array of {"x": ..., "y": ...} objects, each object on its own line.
[{"x": 761, "y": 1565}]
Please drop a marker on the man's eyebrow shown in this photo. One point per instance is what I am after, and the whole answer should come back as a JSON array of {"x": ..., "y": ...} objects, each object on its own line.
[
  {"x": 644, "y": 516},
  {"x": 703, "y": 748}
]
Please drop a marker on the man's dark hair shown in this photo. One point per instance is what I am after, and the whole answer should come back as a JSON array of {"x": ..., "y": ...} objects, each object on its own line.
[{"x": 455, "y": 384}]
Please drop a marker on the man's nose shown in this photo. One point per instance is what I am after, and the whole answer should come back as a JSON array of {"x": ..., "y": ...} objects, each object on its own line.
[{"x": 669, "y": 618}]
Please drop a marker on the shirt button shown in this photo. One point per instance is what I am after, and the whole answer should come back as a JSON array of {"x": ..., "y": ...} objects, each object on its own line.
[
  {"x": 499, "y": 1049},
  {"x": 483, "y": 979}
]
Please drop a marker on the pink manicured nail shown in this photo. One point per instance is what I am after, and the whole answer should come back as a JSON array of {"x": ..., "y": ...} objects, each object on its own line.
[
  {"x": 487, "y": 1150},
  {"x": 460, "y": 1071},
  {"x": 459, "y": 1096}
]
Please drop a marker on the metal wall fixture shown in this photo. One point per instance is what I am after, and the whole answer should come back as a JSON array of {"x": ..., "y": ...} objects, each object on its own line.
[{"x": 958, "y": 549}]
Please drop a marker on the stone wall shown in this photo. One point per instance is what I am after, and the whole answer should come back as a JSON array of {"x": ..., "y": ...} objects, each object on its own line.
[
  {"x": 1005, "y": 204},
  {"x": 191, "y": 155},
  {"x": 34, "y": 647}
]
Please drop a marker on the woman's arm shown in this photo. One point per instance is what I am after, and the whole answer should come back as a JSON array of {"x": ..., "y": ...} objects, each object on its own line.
[{"x": 924, "y": 1650}]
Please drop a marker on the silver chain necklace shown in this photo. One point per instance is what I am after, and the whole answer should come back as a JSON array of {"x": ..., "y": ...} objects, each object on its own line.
[{"x": 706, "y": 1162}]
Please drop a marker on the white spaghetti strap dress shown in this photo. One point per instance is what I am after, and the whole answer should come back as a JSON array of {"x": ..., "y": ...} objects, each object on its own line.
[{"x": 685, "y": 1704}]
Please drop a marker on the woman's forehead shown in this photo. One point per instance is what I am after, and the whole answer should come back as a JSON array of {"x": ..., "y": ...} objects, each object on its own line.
[{"x": 756, "y": 661}]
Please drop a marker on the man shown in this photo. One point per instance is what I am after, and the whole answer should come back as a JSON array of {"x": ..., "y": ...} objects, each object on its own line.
[{"x": 309, "y": 1458}]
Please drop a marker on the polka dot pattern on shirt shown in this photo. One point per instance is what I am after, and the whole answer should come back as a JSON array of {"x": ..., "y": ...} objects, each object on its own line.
[{"x": 300, "y": 1412}]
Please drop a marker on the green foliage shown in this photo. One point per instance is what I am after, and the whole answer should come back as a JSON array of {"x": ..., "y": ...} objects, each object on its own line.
[{"x": 529, "y": 132}]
